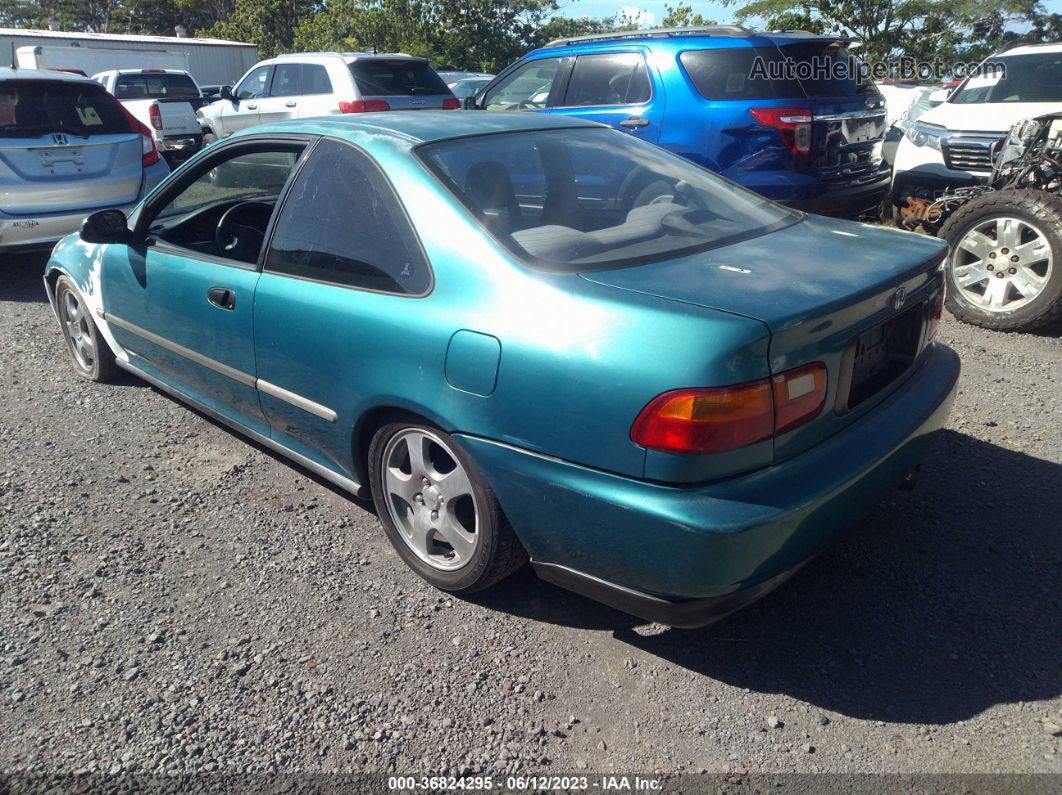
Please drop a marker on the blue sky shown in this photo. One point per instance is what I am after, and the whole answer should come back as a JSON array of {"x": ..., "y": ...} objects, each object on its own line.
[{"x": 654, "y": 10}]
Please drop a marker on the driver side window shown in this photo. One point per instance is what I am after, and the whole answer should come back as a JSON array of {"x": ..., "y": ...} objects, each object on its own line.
[
  {"x": 255, "y": 84},
  {"x": 527, "y": 88},
  {"x": 225, "y": 210}
]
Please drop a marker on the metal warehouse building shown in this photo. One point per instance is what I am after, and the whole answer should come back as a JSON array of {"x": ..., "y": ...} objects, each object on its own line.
[{"x": 211, "y": 61}]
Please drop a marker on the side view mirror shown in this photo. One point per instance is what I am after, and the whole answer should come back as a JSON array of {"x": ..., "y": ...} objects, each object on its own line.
[
  {"x": 106, "y": 226},
  {"x": 226, "y": 92},
  {"x": 470, "y": 103}
]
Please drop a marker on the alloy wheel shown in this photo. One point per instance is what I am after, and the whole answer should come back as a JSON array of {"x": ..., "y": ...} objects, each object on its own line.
[
  {"x": 77, "y": 331},
  {"x": 1002, "y": 264},
  {"x": 430, "y": 499}
]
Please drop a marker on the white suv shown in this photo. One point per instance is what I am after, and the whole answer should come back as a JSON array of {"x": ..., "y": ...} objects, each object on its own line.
[
  {"x": 951, "y": 145},
  {"x": 303, "y": 85}
]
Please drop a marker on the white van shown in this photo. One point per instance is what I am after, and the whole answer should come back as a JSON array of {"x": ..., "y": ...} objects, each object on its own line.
[{"x": 951, "y": 145}]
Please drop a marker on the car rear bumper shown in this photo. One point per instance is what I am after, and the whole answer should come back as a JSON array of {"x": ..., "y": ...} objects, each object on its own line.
[
  {"x": 846, "y": 202},
  {"x": 688, "y": 556}
]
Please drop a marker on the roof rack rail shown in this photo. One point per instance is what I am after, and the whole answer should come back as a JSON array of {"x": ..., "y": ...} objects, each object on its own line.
[{"x": 652, "y": 33}]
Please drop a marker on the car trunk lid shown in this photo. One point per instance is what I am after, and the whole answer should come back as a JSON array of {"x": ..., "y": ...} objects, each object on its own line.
[
  {"x": 55, "y": 172},
  {"x": 827, "y": 290}
]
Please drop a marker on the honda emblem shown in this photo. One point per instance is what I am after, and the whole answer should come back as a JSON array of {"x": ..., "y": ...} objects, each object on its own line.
[{"x": 59, "y": 139}]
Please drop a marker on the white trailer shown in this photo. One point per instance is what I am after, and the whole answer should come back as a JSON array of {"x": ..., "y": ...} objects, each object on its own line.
[
  {"x": 210, "y": 61},
  {"x": 93, "y": 60}
]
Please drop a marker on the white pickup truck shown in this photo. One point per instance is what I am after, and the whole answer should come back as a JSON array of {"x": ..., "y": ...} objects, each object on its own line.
[{"x": 166, "y": 100}]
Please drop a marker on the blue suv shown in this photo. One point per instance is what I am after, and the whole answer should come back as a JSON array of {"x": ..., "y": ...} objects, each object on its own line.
[{"x": 785, "y": 114}]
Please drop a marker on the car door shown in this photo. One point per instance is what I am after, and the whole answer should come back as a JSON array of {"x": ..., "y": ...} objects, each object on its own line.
[
  {"x": 241, "y": 111},
  {"x": 283, "y": 99},
  {"x": 318, "y": 96},
  {"x": 617, "y": 89},
  {"x": 180, "y": 302},
  {"x": 341, "y": 268}
]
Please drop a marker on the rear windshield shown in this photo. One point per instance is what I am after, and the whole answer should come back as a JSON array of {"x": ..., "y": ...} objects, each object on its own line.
[
  {"x": 806, "y": 69},
  {"x": 593, "y": 199},
  {"x": 155, "y": 86},
  {"x": 50, "y": 106},
  {"x": 383, "y": 77},
  {"x": 1036, "y": 77}
]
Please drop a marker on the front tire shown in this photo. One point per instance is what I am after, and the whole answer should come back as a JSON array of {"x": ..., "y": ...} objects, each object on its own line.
[
  {"x": 90, "y": 354},
  {"x": 1004, "y": 266},
  {"x": 438, "y": 510}
]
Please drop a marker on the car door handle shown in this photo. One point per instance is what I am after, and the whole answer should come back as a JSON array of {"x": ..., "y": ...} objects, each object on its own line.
[
  {"x": 222, "y": 297},
  {"x": 252, "y": 107},
  {"x": 289, "y": 104},
  {"x": 634, "y": 121}
]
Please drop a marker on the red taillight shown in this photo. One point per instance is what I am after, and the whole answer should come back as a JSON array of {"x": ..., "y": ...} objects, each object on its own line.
[
  {"x": 793, "y": 124},
  {"x": 935, "y": 311},
  {"x": 149, "y": 152},
  {"x": 363, "y": 106},
  {"x": 155, "y": 115},
  {"x": 690, "y": 421},
  {"x": 799, "y": 395},
  {"x": 451, "y": 104},
  {"x": 706, "y": 420}
]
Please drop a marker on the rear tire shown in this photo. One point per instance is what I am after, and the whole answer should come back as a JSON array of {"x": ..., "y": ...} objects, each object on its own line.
[
  {"x": 438, "y": 510},
  {"x": 89, "y": 352},
  {"x": 1004, "y": 266}
]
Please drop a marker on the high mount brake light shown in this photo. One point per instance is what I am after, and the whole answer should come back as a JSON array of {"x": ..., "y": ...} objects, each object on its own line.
[
  {"x": 792, "y": 124},
  {"x": 714, "y": 420}
]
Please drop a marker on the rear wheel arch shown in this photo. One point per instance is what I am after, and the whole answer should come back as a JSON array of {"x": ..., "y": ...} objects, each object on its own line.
[{"x": 375, "y": 418}]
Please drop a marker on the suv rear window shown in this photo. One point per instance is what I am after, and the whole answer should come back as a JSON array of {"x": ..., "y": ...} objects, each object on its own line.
[
  {"x": 383, "y": 77},
  {"x": 31, "y": 108},
  {"x": 760, "y": 73},
  {"x": 155, "y": 86}
]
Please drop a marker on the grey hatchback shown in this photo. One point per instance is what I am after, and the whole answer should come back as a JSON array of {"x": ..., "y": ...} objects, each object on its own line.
[{"x": 67, "y": 147}]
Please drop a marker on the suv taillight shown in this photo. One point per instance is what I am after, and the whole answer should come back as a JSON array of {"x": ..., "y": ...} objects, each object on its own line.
[
  {"x": 148, "y": 151},
  {"x": 451, "y": 104},
  {"x": 155, "y": 115},
  {"x": 363, "y": 106},
  {"x": 714, "y": 420},
  {"x": 935, "y": 311},
  {"x": 792, "y": 124}
]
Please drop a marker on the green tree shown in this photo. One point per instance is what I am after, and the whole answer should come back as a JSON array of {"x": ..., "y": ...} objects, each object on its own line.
[
  {"x": 268, "y": 24},
  {"x": 682, "y": 16}
]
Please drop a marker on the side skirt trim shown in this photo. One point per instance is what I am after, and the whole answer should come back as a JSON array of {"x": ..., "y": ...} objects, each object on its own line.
[{"x": 331, "y": 476}]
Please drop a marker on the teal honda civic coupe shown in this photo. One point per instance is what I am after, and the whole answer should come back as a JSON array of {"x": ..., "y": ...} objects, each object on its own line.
[{"x": 529, "y": 338}]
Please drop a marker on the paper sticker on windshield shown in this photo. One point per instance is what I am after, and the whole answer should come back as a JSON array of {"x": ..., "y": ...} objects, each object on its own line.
[{"x": 88, "y": 115}]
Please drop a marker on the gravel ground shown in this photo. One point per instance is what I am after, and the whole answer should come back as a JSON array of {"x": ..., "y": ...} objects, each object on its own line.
[{"x": 175, "y": 599}]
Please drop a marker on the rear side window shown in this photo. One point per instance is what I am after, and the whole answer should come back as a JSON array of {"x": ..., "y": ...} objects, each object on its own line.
[
  {"x": 761, "y": 72},
  {"x": 342, "y": 223},
  {"x": 315, "y": 79},
  {"x": 380, "y": 77},
  {"x": 49, "y": 106},
  {"x": 615, "y": 79},
  {"x": 285, "y": 80},
  {"x": 155, "y": 86}
]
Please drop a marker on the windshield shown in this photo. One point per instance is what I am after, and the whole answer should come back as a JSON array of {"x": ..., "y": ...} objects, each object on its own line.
[
  {"x": 386, "y": 77},
  {"x": 1036, "y": 77},
  {"x": 589, "y": 199},
  {"x": 32, "y": 108},
  {"x": 159, "y": 85}
]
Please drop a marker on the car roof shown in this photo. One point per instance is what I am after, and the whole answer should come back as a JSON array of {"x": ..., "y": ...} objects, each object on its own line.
[
  {"x": 421, "y": 126},
  {"x": 1028, "y": 49},
  {"x": 708, "y": 36},
  {"x": 8, "y": 73},
  {"x": 348, "y": 57}
]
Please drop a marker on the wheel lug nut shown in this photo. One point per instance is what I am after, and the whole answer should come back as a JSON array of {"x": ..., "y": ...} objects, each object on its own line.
[
  {"x": 418, "y": 498},
  {"x": 1014, "y": 258},
  {"x": 991, "y": 255},
  {"x": 1005, "y": 251},
  {"x": 1000, "y": 274},
  {"x": 426, "y": 482},
  {"x": 434, "y": 515},
  {"x": 991, "y": 267},
  {"x": 1013, "y": 270}
]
